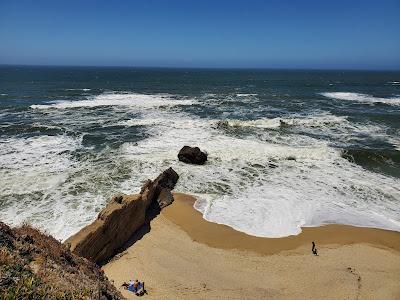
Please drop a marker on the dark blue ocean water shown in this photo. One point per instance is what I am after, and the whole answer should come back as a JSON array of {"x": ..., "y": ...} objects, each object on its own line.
[{"x": 286, "y": 148}]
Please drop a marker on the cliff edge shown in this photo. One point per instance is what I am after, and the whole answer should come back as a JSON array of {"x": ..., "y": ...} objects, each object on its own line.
[{"x": 34, "y": 265}]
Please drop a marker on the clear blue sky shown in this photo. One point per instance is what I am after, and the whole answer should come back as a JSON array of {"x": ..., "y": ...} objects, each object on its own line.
[{"x": 272, "y": 34}]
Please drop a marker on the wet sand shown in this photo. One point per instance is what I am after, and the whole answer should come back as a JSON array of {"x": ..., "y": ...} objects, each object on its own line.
[{"x": 185, "y": 257}]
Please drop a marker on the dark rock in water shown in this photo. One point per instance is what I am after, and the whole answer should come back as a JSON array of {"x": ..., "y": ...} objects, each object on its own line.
[
  {"x": 165, "y": 198},
  {"x": 291, "y": 158},
  {"x": 283, "y": 123},
  {"x": 222, "y": 124},
  {"x": 192, "y": 155},
  {"x": 258, "y": 166}
]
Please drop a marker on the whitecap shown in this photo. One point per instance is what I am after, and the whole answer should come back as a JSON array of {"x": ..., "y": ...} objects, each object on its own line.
[
  {"x": 312, "y": 184},
  {"x": 107, "y": 99},
  {"x": 309, "y": 185},
  {"x": 317, "y": 120},
  {"x": 358, "y": 97},
  {"x": 85, "y": 89},
  {"x": 246, "y": 95},
  {"x": 139, "y": 122}
]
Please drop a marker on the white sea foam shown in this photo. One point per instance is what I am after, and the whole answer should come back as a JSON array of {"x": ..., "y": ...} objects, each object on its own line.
[
  {"x": 246, "y": 95},
  {"x": 318, "y": 120},
  {"x": 238, "y": 188},
  {"x": 267, "y": 185},
  {"x": 35, "y": 154},
  {"x": 42, "y": 184},
  {"x": 139, "y": 122},
  {"x": 364, "y": 98},
  {"x": 108, "y": 99},
  {"x": 31, "y": 170},
  {"x": 395, "y": 141},
  {"x": 339, "y": 127},
  {"x": 85, "y": 90}
]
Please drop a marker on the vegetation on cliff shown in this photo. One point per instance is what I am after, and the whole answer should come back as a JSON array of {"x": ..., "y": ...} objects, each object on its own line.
[{"x": 34, "y": 265}]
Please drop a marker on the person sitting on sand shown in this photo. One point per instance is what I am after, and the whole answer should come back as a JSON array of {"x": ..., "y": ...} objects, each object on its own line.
[
  {"x": 135, "y": 287},
  {"x": 126, "y": 285}
]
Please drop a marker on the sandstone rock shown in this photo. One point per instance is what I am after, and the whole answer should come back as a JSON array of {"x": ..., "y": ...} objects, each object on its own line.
[
  {"x": 167, "y": 179},
  {"x": 117, "y": 198},
  {"x": 192, "y": 155},
  {"x": 165, "y": 198},
  {"x": 120, "y": 219},
  {"x": 114, "y": 226}
]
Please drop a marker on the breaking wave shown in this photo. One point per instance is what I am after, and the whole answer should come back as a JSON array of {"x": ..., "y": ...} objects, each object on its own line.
[
  {"x": 364, "y": 98},
  {"x": 318, "y": 120},
  {"x": 108, "y": 99},
  {"x": 267, "y": 188},
  {"x": 266, "y": 185}
]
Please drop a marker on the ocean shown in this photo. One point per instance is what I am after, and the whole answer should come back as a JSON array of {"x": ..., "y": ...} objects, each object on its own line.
[{"x": 286, "y": 149}]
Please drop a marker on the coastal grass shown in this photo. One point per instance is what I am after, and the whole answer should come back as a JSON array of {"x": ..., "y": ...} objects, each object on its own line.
[{"x": 34, "y": 265}]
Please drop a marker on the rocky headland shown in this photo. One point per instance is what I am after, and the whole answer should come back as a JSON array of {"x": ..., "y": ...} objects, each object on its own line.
[{"x": 121, "y": 218}]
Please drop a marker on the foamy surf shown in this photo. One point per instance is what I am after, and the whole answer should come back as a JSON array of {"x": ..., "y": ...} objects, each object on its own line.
[
  {"x": 268, "y": 189},
  {"x": 266, "y": 182},
  {"x": 246, "y": 95},
  {"x": 108, "y": 99},
  {"x": 364, "y": 98},
  {"x": 317, "y": 120},
  {"x": 84, "y": 89}
]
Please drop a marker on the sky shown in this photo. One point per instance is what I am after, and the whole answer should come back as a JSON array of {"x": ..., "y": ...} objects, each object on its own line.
[{"x": 294, "y": 34}]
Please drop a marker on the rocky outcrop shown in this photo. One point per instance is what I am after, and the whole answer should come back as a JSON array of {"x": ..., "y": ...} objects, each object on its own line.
[
  {"x": 165, "y": 198},
  {"x": 34, "y": 265},
  {"x": 121, "y": 218},
  {"x": 192, "y": 155}
]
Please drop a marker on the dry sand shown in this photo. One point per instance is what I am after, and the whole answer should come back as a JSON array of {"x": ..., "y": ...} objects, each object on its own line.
[{"x": 185, "y": 257}]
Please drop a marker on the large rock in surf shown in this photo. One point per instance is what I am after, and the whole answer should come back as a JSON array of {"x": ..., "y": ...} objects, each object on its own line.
[
  {"x": 192, "y": 155},
  {"x": 121, "y": 218}
]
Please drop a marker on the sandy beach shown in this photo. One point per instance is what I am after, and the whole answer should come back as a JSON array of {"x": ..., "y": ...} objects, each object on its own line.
[{"x": 182, "y": 256}]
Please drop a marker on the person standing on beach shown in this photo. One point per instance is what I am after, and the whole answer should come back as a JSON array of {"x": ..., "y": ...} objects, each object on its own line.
[{"x": 314, "y": 249}]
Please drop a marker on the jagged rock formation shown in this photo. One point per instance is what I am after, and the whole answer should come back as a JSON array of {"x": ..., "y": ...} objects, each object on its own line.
[
  {"x": 34, "y": 265},
  {"x": 192, "y": 155},
  {"x": 121, "y": 218}
]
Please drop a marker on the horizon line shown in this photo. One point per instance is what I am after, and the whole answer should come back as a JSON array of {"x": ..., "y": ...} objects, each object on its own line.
[{"x": 203, "y": 67}]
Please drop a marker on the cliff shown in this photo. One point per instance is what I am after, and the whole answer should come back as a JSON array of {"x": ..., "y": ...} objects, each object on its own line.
[{"x": 34, "y": 265}]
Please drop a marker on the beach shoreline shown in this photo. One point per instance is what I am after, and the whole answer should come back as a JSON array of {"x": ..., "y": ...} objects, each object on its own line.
[
  {"x": 183, "y": 256},
  {"x": 183, "y": 214}
]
